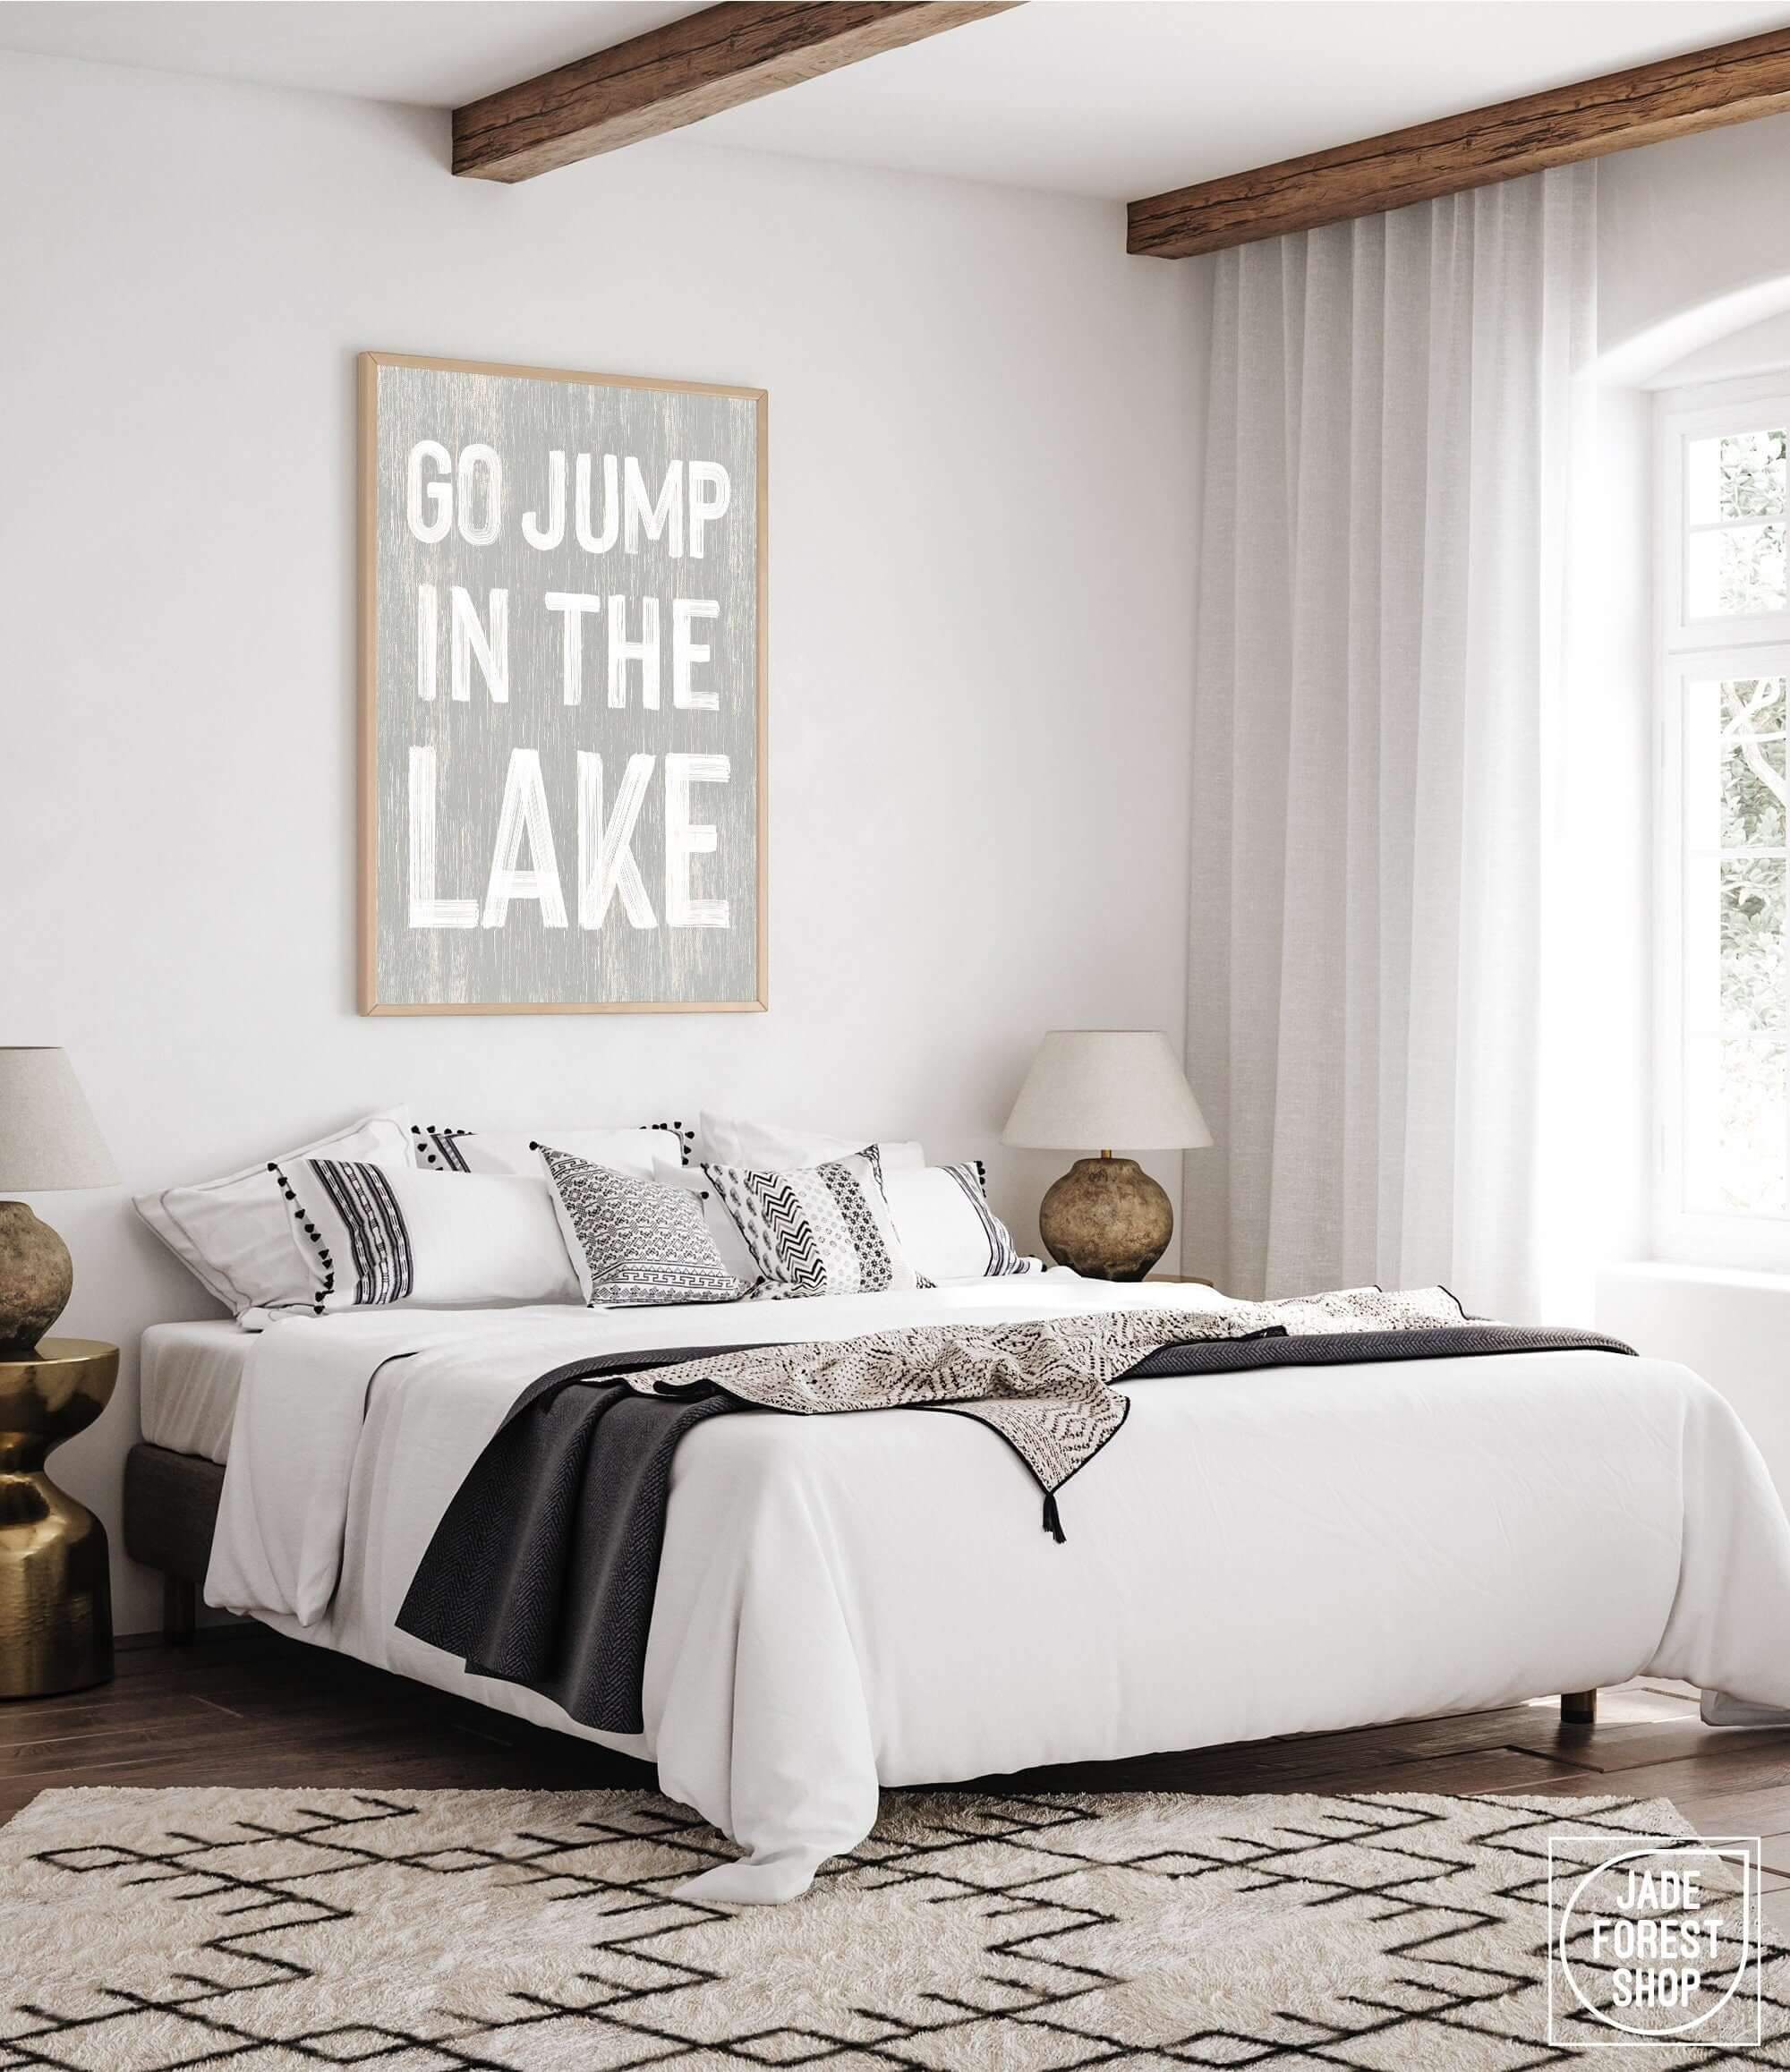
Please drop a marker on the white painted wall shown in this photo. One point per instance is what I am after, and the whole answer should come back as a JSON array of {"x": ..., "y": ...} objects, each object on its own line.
[
  {"x": 1694, "y": 244},
  {"x": 982, "y": 498},
  {"x": 1761, "y": 348},
  {"x": 1732, "y": 1328}
]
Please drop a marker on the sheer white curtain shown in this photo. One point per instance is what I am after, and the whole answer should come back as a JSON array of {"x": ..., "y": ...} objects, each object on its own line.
[{"x": 1381, "y": 1005}]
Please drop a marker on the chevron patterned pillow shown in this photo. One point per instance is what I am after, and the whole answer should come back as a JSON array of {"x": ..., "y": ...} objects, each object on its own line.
[{"x": 824, "y": 1230}]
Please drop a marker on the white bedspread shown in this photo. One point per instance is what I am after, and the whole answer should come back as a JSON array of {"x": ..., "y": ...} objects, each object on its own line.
[
  {"x": 188, "y": 1376},
  {"x": 845, "y": 1601}
]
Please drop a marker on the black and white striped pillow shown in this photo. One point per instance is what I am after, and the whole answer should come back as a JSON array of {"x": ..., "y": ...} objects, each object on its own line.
[
  {"x": 436, "y": 1147},
  {"x": 646, "y": 1149},
  {"x": 353, "y": 1215},
  {"x": 947, "y": 1229},
  {"x": 824, "y": 1230},
  {"x": 372, "y": 1236}
]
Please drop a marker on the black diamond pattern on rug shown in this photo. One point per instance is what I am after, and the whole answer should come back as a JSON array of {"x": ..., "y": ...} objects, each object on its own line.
[{"x": 528, "y": 1932}]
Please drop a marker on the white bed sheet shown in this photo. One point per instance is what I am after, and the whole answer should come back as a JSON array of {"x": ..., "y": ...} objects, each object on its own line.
[
  {"x": 190, "y": 1376},
  {"x": 856, "y": 1600}
]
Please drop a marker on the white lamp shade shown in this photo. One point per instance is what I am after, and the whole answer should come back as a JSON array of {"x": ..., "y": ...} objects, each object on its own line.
[
  {"x": 48, "y": 1138},
  {"x": 1100, "y": 1088}
]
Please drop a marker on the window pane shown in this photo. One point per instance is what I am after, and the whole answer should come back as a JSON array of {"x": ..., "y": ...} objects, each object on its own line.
[
  {"x": 1753, "y": 944},
  {"x": 1740, "y": 475},
  {"x": 1752, "y": 790},
  {"x": 1735, "y": 570},
  {"x": 1736, "y": 963},
  {"x": 1735, "y": 1113}
]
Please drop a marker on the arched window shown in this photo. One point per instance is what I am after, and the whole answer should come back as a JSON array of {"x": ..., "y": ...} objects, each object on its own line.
[{"x": 1723, "y": 1024}]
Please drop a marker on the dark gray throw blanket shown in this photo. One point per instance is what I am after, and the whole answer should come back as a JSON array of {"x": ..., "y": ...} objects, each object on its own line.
[{"x": 543, "y": 1568}]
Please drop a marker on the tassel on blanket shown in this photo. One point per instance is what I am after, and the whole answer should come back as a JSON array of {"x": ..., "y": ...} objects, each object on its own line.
[{"x": 1052, "y": 1523}]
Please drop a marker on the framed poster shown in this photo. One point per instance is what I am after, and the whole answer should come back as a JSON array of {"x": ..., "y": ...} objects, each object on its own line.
[{"x": 562, "y": 692}]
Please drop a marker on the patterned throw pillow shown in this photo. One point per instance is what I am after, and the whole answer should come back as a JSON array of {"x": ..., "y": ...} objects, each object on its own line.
[
  {"x": 824, "y": 1230},
  {"x": 635, "y": 1243}
]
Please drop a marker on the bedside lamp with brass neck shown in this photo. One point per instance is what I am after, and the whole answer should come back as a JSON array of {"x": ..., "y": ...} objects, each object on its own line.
[{"x": 1088, "y": 1087}]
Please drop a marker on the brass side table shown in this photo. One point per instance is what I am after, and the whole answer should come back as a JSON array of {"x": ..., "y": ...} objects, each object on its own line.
[{"x": 56, "y": 1580}]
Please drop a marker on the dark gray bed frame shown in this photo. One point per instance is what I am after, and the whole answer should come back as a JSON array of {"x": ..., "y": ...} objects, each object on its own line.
[{"x": 171, "y": 1511}]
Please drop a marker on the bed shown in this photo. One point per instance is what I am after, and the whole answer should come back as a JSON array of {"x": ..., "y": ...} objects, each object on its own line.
[
  {"x": 846, "y": 1602},
  {"x": 189, "y": 1377}
]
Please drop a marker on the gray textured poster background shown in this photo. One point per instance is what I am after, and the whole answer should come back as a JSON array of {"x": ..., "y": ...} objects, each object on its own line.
[{"x": 516, "y": 955}]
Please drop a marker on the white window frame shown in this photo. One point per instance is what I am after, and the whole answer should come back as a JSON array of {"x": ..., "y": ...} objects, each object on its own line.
[{"x": 1692, "y": 651}]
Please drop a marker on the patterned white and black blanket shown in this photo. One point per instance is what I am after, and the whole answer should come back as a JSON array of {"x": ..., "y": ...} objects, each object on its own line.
[
  {"x": 543, "y": 1567},
  {"x": 1044, "y": 1385}
]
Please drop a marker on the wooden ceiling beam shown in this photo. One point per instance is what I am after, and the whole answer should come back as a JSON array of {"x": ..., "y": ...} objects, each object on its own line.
[
  {"x": 1732, "y": 82},
  {"x": 697, "y": 66}
]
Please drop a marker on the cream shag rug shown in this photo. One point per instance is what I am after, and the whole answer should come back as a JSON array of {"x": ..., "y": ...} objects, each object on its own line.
[{"x": 463, "y": 1931}]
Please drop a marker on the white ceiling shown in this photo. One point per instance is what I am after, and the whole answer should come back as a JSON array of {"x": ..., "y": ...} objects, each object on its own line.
[
  {"x": 432, "y": 52},
  {"x": 1111, "y": 98}
]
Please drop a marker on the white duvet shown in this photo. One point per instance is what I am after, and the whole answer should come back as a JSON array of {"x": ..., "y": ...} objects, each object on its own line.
[{"x": 855, "y": 1600}]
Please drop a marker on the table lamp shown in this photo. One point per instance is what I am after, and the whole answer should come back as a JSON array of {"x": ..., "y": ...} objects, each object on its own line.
[
  {"x": 1106, "y": 1218},
  {"x": 48, "y": 1141}
]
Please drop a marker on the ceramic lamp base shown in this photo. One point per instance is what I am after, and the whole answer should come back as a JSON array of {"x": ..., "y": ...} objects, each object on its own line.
[
  {"x": 1107, "y": 1218},
  {"x": 37, "y": 1277}
]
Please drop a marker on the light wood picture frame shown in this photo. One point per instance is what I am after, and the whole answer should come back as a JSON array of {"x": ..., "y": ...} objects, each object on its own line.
[{"x": 564, "y": 644}]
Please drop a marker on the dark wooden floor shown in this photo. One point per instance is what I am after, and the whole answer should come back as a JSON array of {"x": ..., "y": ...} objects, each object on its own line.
[{"x": 243, "y": 1707}]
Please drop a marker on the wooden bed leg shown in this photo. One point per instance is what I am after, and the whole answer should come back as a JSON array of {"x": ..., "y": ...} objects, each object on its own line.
[
  {"x": 180, "y": 1610},
  {"x": 1577, "y": 1709}
]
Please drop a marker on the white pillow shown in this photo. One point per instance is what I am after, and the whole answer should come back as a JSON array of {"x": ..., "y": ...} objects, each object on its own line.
[
  {"x": 648, "y": 1152},
  {"x": 233, "y": 1235},
  {"x": 946, "y": 1226},
  {"x": 765, "y": 1147},
  {"x": 376, "y": 1236}
]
